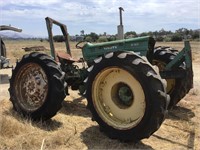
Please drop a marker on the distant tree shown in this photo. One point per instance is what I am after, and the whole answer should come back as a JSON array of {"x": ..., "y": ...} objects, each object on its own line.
[
  {"x": 144, "y": 34},
  {"x": 196, "y": 34},
  {"x": 155, "y": 34},
  {"x": 162, "y": 32},
  {"x": 58, "y": 38},
  {"x": 167, "y": 39},
  {"x": 159, "y": 38},
  {"x": 130, "y": 34},
  {"x": 82, "y": 32},
  {"x": 176, "y": 37},
  {"x": 94, "y": 36},
  {"x": 102, "y": 39},
  {"x": 150, "y": 33},
  {"x": 88, "y": 38},
  {"x": 191, "y": 32},
  {"x": 182, "y": 31},
  {"x": 112, "y": 38}
]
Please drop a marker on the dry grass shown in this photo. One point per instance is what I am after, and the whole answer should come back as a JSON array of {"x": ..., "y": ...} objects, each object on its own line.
[
  {"x": 63, "y": 131},
  {"x": 15, "y": 51},
  {"x": 195, "y": 46},
  {"x": 72, "y": 127}
]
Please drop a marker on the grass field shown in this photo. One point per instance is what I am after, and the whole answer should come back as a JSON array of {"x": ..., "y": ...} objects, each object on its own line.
[
  {"x": 72, "y": 127},
  {"x": 15, "y": 51}
]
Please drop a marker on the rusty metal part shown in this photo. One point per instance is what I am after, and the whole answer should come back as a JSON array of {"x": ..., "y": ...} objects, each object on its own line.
[
  {"x": 49, "y": 23},
  {"x": 4, "y": 27},
  {"x": 34, "y": 48},
  {"x": 67, "y": 57},
  {"x": 120, "y": 14},
  {"x": 31, "y": 86},
  {"x": 120, "y": 28}
]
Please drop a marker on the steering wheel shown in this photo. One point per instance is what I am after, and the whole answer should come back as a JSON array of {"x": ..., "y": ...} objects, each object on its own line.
[{"x": 79, "y": 47}]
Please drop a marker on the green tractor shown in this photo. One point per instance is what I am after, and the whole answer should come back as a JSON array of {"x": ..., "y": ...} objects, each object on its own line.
[{"x": 127, "y": 83}]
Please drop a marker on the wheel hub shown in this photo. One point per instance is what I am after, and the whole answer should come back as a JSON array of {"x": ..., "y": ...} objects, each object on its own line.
[
  {"x": 31, "y": 86},
  {"x": 123, "y": 95}
]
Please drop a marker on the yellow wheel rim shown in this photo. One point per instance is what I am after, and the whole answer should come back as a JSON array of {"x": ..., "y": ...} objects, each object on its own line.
[
  {"x": 118, "y": 98},
  {"x": 170, "y": 85},
  {"x": 170, "y": 82}
]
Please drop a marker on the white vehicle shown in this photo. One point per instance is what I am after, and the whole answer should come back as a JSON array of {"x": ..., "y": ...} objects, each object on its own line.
[{"x": 4, "y": 61}]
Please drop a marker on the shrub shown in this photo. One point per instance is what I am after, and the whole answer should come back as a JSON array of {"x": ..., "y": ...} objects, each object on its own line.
[
  {"x": 58, "y": 38},
  {"x": 102, "y": 39},
  {"x": 167, "y": 39},
  {"x": 88, "y": 38},
  {"x": 159, "y": 39},
  {"x": 176, "y": 37}
]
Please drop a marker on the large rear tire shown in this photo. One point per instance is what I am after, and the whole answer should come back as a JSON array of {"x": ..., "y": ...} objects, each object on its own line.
[
  {"x": 126, "y": 96},
  {"x": 37, "y": 86},
  {"x": 176, "y": 88}
]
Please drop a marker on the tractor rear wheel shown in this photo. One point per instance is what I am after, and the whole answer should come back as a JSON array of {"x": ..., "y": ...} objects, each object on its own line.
[
  {"x": 126, "y": 96},
  {"x": 37, "y": 86},
  {"x": 176, "y": 88}
]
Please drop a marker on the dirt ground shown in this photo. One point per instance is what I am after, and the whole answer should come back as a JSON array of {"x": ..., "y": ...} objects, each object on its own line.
[{"x": 72, "y": 127}]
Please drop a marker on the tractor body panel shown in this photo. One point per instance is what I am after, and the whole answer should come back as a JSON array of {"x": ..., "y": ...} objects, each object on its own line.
[{"x": 141, "y": 46}]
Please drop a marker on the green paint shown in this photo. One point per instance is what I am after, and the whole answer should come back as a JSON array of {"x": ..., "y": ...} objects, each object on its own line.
[{"x": 138, "y": 45}]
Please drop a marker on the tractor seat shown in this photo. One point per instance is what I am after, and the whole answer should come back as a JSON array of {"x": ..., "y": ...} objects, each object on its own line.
[{"x": 66, "y": 57}]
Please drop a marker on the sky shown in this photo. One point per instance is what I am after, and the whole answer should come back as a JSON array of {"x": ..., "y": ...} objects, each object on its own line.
[{"x": 100, "y": 16}]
